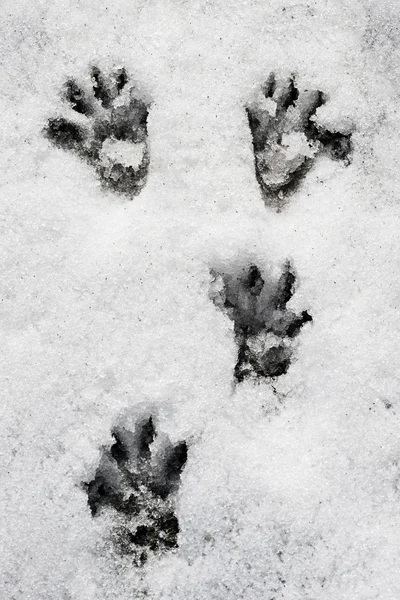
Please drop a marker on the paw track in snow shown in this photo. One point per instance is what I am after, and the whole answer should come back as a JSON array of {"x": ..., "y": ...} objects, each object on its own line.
[
  {"x": 264, "y": 327},
  {"x": 138, "y": 486},
  {"x": 287, "y": 139},
  {"x": 107, "y": 129}
]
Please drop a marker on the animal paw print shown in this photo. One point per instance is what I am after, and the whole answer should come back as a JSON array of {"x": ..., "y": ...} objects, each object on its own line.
[
  {"x": 137, "y": 485},
  {"x": 287, "y": 139},
  {"x": 264, "y": 326},
  {"x": 107, "y": 129}
]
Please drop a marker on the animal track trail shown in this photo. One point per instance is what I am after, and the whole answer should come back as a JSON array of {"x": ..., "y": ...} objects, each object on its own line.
[
  {"x": 137, "y": 485},
  {"x": 287, "y": 139},
  {"x": 265, "y": 328},
  {"x": 107, "y": 129}
]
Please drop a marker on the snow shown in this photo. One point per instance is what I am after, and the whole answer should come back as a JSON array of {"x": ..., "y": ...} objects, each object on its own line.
[{"x": 291, "y": 490}]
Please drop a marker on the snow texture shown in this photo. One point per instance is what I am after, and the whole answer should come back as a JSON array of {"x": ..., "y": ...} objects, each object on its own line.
[{"x": 138, "y": 199}]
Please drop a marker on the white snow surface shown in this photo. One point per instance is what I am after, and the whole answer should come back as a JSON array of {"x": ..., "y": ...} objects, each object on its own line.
[{"x": 289, "y": 493}]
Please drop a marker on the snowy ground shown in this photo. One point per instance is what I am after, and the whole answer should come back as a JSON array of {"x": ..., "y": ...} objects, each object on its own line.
[{"x": 292, "y": 488}]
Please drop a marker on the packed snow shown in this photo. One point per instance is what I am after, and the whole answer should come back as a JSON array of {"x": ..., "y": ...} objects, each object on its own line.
[{"x": 291, "y": 487}]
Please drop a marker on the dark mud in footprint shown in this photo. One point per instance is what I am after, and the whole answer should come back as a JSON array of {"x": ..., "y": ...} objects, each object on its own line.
[
  {"x": 264, "y": 327},
  {"x": 287, "y": 139},
  {"x": 109, "y": 130},
  {"x": 138, "y": 486}
]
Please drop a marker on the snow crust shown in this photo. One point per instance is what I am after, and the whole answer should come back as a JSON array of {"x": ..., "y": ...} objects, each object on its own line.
[{"x": 292, "y": 490}]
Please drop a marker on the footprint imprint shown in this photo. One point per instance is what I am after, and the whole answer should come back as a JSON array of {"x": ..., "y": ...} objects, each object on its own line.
[
  {"x": 137, "y": 484},
  {"x": 287, "y": 139},
  {"x": 264, "y": 327},
  {"x": 105, "y": 123}
]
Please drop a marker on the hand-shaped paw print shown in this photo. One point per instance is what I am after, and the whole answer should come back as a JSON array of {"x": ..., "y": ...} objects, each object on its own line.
[
  {"x": 287, "y": 139},
  {"x": 138, "y": 486},
  {"x": 106, "y": 125},
  {"x": 264, "y": 326}
]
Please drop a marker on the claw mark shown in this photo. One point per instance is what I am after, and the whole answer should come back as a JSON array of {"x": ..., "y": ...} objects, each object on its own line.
[{"x": 77, "y": 98}]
